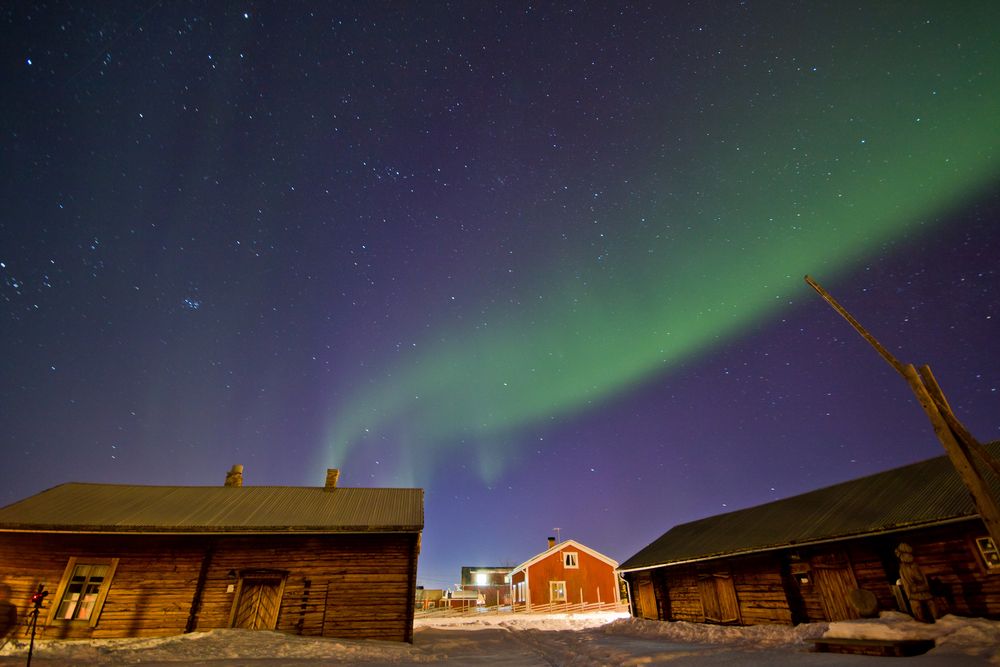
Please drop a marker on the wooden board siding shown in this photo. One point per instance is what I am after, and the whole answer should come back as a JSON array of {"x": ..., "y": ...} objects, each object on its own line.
[
  {"x": 760, "y": 591},
  {"x": 339, "y": 586},
  {"x": 685, "y": 600},
  {"x": 592, "y": 575}
]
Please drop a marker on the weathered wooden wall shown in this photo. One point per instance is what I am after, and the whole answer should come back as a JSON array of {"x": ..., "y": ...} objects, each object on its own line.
[
  {"x": 760, "y": 591},
  {"x": 959, "y": 578},
  {"x": 349, "y": 586},
  {"x": 783, "y": 587}
]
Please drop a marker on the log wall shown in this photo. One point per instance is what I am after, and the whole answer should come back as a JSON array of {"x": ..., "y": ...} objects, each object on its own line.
[
  {"x": 351, "y": 586},
  {"x": 760, "y": 592},
  {"x": 781, "y": 586}
]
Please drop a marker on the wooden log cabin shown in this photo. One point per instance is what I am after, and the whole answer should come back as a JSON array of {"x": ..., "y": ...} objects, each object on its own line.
[
  {"x": 566, "y": 575},
  {"x": 802, "y": 559},
  {"x": 145, "y": 561}
]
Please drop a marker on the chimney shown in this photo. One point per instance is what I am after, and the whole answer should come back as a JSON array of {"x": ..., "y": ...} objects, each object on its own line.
[
  {"x": 552, "y": 542},
  {"x": 235, "y": 476},
  {"x": 332, "y": 475}
]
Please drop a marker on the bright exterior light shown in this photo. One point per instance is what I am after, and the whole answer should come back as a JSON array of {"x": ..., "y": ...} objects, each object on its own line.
[{"x": 482, "y": 579}]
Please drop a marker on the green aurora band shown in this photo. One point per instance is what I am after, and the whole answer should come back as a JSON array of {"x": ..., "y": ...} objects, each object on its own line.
[{"x": 815, "y": 179}]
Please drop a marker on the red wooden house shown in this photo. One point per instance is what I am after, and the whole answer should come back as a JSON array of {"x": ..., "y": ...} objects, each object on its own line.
[{"x": 567, "y": 576}]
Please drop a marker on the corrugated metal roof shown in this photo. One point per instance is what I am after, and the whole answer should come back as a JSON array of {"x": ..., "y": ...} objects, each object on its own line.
[
  {"x": 132, "y": 508},
  {"x": 918, "y": 494}
]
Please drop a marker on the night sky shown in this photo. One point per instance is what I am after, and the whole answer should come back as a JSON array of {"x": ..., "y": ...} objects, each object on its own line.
[{"x": 543, "y": 260}]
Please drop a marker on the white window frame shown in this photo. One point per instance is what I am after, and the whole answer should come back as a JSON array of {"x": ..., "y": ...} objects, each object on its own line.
[
  {"x": 553, "y": 587},
  {"x": 988, "y": 552},
  {"x": 102, "y": 593},
  {"x": 571, "y": 560}
]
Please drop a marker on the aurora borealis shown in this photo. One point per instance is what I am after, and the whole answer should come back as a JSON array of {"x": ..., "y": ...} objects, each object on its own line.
[
  {"x": 866, "y": 155},
  {"x": 545, "y": 262}
]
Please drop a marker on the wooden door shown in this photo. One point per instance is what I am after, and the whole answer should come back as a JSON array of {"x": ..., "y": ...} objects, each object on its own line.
[
  {"x": 718, "y": 598},
  {"x": 258, "y": 603},
  {"x": 646, "y": 598},
  {"x": 834, "y": 582}
]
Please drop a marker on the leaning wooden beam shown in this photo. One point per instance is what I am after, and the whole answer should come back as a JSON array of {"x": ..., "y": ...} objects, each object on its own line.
[
  {"x": 954, "y": 440},
  {"x": 926, "y": 376},
  {"x": 893, "y": 361},
  {"x": 962, "y": 433},
  {"x": 959, "y": 456}
]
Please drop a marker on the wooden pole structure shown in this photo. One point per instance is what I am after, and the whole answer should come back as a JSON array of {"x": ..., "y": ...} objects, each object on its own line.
[
  {"x": 958, "y": 443},
  {"x": 963, "y": 434}
]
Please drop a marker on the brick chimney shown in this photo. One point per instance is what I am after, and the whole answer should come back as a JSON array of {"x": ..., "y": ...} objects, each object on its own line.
[
  {"x": 332, "y": 475},
  {"x": 552, "y": 542},
  {"x": 235, "y": 476}
]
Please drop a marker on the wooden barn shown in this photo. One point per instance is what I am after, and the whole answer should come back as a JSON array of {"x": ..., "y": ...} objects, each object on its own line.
[
  {"x": 143, "y": 561},
  {"x": 806, "y": 558},
  {"x": 566, "y": 575}
]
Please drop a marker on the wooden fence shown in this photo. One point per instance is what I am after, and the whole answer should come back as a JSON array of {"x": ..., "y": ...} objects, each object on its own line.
[{"x": 552, "y": 608}]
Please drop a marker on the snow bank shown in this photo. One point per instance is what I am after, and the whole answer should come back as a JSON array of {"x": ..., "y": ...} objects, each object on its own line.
[
  {"x": 763, "y": 636},
  {"x": 218, "y": 645},
  {"x": 542, "y": 622},
  {"x": 519, "y": 640},
  {"x": 952, "y": 634}
]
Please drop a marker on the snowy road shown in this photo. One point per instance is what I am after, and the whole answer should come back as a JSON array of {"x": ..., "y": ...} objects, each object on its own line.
[{"x": 525, "y": 641}]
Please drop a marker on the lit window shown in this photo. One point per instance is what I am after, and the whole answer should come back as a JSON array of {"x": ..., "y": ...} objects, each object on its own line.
[
  {"x": 83, "y": 589},
  {"x": 557, "y": 591},
  {"x": 482, "y": 579},
  {"x": 570, "y": 559},
  {"x": 989, "y": 552}
]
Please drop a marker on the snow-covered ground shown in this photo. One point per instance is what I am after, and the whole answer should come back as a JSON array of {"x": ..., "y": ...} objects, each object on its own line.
[{"x": 529, "y": 640}]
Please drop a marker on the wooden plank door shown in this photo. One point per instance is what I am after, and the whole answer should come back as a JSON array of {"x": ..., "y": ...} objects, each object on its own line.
[
  {"x": 718, "y": 598},
  {"x": 646, "y": 598},
  {"x": 834, "y": 582},
  {"x": 258, "y": 603}
]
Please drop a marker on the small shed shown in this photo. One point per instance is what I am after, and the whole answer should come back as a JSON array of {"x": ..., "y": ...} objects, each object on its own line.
[
  {"x": 804, "y": 558},
  {"x": 567, "y": 575},
  {"x": 144, "y": 561},
  {"x": 429, "y": 598}
]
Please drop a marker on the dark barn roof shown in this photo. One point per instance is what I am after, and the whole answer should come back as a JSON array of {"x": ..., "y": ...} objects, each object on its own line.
[
  {"x": 924, "y": 493},
  {"x": 118, "y": 508}
]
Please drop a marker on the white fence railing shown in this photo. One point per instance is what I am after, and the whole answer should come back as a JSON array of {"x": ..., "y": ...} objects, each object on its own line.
[{"x": 551, "y": 608}]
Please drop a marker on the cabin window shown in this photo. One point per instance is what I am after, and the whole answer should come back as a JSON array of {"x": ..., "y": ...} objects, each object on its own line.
[
  {"x": 557, "y": 591},
  {"x": 570, "y": 559},
  {"x": 83, "y": 589},
  {"x": 989, "y": 552}
]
